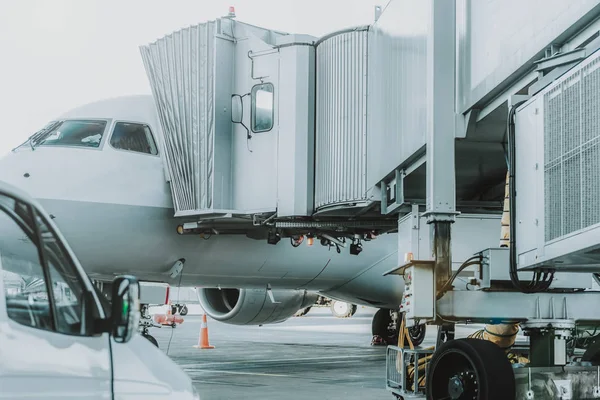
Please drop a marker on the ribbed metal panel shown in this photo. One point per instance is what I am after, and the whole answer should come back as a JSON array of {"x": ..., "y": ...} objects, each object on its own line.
[
  {"x": 180, "y": 68},
  {"x": 572, "y": 152},
  {"x": 341, "y": 122}
]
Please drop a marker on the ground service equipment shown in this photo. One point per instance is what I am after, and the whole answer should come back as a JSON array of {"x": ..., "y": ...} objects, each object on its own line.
[{"x": 537, "y": 111}]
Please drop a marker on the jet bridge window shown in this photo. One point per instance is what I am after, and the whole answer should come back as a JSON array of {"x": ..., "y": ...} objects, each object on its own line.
[
  {"x": 72, "y": 133},
  {"x": 262, "y": 107},
  {"x": 133, "y": 137}
]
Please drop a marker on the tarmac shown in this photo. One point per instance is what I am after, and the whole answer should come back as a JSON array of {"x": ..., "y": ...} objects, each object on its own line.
[{"x": 316, "y": 356}]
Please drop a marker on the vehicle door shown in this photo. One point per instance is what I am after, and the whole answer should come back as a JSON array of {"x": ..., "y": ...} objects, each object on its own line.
[{"x": 47, "y": 346}]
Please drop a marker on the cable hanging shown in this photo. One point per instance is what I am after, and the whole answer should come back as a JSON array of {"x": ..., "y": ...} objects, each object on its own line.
[{"x": 538, "y": 282}]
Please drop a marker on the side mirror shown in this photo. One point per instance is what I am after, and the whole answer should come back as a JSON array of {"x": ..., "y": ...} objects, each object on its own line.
[
  {"x": 125, "y": 308},
  {"x": 237, "y": 109}
]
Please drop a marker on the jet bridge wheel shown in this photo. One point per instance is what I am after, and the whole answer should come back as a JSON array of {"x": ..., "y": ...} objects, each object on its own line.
[{"x": 472, "y": 369}]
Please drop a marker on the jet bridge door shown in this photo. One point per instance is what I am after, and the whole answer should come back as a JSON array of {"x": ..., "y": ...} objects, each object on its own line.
[{"x": 217, "y": 166}]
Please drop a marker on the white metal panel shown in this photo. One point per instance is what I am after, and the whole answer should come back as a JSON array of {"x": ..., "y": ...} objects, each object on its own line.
[
  {"x": 341, "y": 120},
  {"x": 527, "y": 123},
  {"x": 397, "y": 93},
  {"x": 224, "y": 69},
  {"x": 181, "y": 69},
  {"x": 497, "y": 37},
  {"x": 254, "y": 160},
  {"x": 295, "y": 154},
  {"x": 567, "y": 179}
]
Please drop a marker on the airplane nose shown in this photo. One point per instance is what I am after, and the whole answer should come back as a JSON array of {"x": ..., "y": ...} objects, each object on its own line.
[
  {"x": 42, "y": 173},
  {"x": 16, "y": 168}
]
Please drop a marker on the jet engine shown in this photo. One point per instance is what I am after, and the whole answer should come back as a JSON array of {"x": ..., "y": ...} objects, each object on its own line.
[{"x": 253, "y": 306}]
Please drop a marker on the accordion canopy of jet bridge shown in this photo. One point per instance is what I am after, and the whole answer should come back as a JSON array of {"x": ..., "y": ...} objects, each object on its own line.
[
  {"x": 258, "y": 121},
  {"x": 193, "y": 76}
]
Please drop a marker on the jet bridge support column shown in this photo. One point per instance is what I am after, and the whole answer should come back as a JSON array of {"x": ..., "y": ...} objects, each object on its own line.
[{"x": 441, "y": 197}]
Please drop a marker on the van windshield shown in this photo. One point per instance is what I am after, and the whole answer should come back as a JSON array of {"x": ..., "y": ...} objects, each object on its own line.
[{"x": 82, "y": 133}]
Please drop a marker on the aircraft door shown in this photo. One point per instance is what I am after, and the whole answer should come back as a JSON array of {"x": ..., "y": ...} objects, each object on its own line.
[
  {"x": 255, "y": 130},
  {"x": 47, "y": 345}
]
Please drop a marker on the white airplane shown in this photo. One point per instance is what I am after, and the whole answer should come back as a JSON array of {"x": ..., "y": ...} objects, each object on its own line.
[{"x": 98, "y": 170}]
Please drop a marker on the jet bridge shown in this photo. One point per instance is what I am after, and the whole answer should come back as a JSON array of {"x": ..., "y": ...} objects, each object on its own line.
[{"x": 299, "y": 135}]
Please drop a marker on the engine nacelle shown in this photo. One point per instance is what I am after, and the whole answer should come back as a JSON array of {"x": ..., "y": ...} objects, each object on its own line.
[{"x": 253, "y": 306}]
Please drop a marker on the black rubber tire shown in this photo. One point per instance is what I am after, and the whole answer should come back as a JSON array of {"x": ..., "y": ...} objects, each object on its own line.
[
  {"x": 592, "y": 352},
  {"x": 173, "y": 310},
  {"x": 493, "y": 372},
  {"x": 348, "y": 313},
  {"x": 302, "y": 312},
  {"x": 380, "y": 323},
  {"x": 183, "y": 310},
  {"x": 151, "y": 339},
  {"x": 417, "y": 334}
]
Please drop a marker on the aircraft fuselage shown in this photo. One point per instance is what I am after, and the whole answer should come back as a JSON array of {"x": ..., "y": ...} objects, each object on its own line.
[{"x": 115, "y": 208}]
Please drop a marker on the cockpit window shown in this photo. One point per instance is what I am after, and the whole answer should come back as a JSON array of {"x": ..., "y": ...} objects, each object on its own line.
[
  {"x": 133, "y": 137},
  {"x": 74, "y": 133}
]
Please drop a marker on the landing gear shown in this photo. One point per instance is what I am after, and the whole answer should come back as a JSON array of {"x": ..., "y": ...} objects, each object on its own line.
[
  {"x": 146, "y": 323},
  {"x": 380, "y": 328},
  {"x": 470, "y": 369},
  {"x": 342, "y": 309},
  {"x": 183, "y": 310},
  {"x": 151, "y": 339},
  {"x": 386, "y": 324}
]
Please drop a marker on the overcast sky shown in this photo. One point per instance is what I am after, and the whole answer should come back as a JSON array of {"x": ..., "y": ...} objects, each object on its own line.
[{"x": 58, "y": 54}]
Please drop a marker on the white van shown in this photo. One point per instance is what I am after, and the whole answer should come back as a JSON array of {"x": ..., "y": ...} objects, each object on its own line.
[{"x": 61, "y": 339}]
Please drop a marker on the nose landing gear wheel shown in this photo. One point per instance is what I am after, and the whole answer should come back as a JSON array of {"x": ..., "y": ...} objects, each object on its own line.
[
  {"x": 151, "y": 339},
  {"x": 470, "y": 369}
]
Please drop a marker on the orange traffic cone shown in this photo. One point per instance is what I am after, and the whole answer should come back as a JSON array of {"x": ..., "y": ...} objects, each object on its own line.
[{"x": 203, "y": 342}]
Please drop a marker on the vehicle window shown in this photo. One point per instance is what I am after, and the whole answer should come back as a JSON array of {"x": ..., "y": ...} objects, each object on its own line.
[
  {"x": 104, "y": 303},
  {"x": 73, "y": 315},
  {"x": 73, "y": 133},
  {"x": 25, "y": 288},
  {"x": 262, "y": 107},
  {"x": 133, "y": 137}
]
